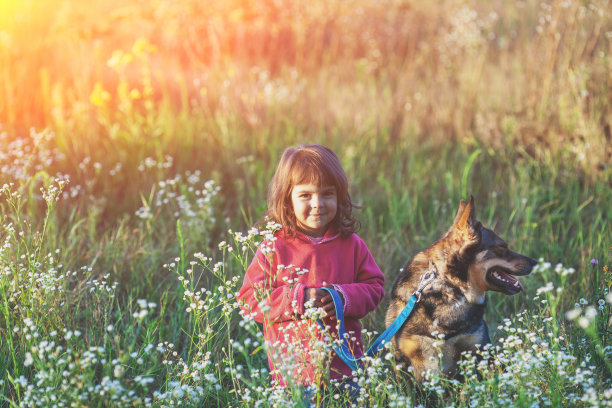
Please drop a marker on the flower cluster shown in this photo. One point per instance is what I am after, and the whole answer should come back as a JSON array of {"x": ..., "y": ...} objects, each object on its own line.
[
  {"x": 22, "y": 158},
  {"x": 64, "y": 372},
  {"x": 183, "y": 197}
]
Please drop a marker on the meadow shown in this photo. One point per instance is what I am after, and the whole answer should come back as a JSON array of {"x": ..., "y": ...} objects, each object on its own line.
[{"x": 137, "y": 141}]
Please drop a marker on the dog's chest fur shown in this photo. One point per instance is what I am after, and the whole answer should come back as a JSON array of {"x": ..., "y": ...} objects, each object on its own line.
[{"x": 444, "y": 307}]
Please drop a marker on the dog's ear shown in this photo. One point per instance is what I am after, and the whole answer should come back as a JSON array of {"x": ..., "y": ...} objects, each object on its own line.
[
  {"x": 462, "y": 205},
  {"x": 466, "y": 228},
  {"x": 467, "y": 217}
]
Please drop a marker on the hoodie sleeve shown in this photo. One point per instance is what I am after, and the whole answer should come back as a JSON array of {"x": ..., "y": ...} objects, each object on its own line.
[
  {"x": 364, "y": 295},
  {"x": 261, "y": 296}
]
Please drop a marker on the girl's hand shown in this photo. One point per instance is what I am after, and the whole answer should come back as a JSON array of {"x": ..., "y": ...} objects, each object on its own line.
[{"x": 322, "y": 299}]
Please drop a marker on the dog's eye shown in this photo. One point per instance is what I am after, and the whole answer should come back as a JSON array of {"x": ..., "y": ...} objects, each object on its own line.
[{"x": 501, "y": 250}]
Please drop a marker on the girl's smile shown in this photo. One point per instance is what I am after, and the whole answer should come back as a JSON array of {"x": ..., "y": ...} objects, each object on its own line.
[{"x": 314, "y": 207}]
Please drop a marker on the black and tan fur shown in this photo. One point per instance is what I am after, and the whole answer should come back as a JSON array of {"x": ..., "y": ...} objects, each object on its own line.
[{"x": 469, "y": 260}]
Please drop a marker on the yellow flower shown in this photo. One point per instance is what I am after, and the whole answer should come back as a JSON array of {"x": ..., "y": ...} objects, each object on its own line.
[
  {"x": 119, "y": 59},
  {"x": 142, "y": 46},
  {"x": 135, "y": 94},
  {"x": 123, "y": 89},
  {"x": 99, "y": 96},
  {"x": 236, "y": 15}
]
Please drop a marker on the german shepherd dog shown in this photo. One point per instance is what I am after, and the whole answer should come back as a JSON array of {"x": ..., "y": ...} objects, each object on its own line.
[{"x": 466, "y": 262}]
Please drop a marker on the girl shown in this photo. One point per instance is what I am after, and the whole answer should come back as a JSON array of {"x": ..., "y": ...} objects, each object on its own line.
[{"x": 315, "y": 247}]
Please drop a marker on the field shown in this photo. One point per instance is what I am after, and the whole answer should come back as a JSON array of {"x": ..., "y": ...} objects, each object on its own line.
[{"x": 137, "y": 140}]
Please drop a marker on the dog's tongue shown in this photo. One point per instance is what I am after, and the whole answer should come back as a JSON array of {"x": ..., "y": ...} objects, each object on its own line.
[{"x": 510, "y": 279}]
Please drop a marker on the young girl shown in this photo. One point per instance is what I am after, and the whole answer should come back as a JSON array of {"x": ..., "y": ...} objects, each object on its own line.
[{"x": 315, "y": 247}]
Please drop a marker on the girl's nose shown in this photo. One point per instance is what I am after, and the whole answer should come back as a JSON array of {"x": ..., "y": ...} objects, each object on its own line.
[{"x": 316, "y": 202}]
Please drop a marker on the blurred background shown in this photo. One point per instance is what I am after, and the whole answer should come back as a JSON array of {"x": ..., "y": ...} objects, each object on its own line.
[{"x": 529, "y": 73}]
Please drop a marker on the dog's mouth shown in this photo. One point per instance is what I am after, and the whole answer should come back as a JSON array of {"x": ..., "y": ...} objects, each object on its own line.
[{"x": 503, "y": 281}]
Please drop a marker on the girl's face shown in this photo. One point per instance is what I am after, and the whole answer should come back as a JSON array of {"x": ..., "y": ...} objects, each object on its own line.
[{"x": 314, "y": 207}]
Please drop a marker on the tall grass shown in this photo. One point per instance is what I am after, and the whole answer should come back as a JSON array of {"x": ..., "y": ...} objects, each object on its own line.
[{"x": 135, "y": 137}]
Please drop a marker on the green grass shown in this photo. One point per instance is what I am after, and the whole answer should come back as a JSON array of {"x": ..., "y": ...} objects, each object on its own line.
[
  {"x": 408, "y": 203},
  {"x": 119, "y": 293}
]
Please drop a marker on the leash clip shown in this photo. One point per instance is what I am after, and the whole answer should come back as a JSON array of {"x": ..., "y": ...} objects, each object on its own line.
[{"x": 426, "y": 279}]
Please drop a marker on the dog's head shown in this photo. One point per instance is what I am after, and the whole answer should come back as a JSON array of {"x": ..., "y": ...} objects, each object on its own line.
[{"x": 486, "y": 261}]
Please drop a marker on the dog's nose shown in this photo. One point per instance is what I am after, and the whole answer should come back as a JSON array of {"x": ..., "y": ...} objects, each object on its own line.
[{"x": 533, "y": 261}]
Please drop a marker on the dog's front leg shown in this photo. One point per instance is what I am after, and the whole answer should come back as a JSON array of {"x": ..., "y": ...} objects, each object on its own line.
[{"x": 422, "y": 354}]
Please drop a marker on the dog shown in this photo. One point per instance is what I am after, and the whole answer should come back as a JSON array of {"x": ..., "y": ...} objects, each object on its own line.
[{"x": 466, "y": 262}]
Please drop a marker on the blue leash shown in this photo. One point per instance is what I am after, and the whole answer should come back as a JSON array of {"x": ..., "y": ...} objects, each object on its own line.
[{"x": 343, "y": 350}]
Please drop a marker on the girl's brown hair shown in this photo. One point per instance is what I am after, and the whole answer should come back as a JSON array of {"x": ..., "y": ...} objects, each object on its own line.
[{"x": 316, "y": 164}]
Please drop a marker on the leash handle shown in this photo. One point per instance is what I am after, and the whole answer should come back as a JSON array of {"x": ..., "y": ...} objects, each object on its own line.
[{"x": 343, "y": 351}]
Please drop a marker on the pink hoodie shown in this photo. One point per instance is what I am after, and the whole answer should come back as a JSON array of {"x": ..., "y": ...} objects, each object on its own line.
[{"x": 282, "y": 270}]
